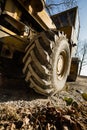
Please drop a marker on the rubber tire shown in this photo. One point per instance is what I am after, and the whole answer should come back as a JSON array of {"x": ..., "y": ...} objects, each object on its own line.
[
  {"x": 73, "y": 70},
  {"x": 41, "y": 60}
]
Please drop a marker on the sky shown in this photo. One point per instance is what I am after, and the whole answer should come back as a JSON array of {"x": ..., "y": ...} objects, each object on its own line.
[
  {"x": 83, "y": 19},
  {"x": 83, "y": 26}
]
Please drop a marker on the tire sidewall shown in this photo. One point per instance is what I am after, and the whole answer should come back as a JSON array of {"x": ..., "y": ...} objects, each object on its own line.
[{"x": 61, "y": 45}]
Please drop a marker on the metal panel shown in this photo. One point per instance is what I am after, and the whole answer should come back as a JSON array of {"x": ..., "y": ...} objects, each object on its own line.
[{"x": 66, "y": 18}]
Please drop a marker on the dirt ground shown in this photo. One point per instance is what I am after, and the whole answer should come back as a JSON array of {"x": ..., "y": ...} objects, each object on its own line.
[{"x": 21, "y": 108}]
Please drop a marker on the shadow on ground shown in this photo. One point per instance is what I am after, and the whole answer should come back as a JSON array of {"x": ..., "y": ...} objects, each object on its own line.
[{"x": 16, "y": 89}]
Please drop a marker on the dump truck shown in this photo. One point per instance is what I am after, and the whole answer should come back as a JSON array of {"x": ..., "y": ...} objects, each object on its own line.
[{"x": 38, "y": 47}]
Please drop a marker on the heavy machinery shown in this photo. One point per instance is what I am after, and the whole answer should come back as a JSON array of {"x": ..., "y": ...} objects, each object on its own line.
[{"x": 37, "y": 44}]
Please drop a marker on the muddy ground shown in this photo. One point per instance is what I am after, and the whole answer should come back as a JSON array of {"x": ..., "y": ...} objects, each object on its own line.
[{"x": 21, "y": 108}]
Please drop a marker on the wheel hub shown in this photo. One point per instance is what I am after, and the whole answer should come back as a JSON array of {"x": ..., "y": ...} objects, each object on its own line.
[{"x": 60, "y": 65}]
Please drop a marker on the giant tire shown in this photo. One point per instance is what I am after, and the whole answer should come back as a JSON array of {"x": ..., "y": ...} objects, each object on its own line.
[{"x": 47, "y": 62}]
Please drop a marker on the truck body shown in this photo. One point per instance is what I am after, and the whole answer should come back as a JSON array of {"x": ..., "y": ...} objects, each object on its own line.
[{"x": 37, "y": 43}]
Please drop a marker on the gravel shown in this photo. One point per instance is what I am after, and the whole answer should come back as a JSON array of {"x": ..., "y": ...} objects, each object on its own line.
[{"x": 21, "y": 108}]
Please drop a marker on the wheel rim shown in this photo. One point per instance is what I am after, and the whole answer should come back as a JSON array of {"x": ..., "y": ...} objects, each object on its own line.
[{"x": 61, "y": 65}]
